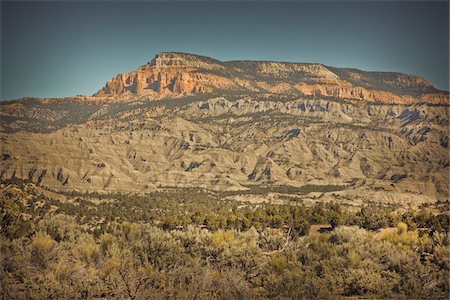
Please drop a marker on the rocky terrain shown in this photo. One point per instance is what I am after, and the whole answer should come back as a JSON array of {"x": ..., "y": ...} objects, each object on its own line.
[
  {"x": 259, "y": 130},
  {"x": 179, "y": 74}
]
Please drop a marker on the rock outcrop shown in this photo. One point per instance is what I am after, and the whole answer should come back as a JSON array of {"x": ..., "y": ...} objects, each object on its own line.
[
  {"x": 169, "y": 74},
  {"x": 172, "y": 74}
]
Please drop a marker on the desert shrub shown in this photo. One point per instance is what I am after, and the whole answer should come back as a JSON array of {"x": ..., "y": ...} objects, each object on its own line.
[
  {"x": 403, "y": 239},
  {"x": 270, "y": 239},
  {"x": 87, "y": 250},
  {"x": 156, "y": 247},
  {"x": 42, "y": 249},
  {"x": 350, "y": 235},
  {"x": 193, "y": 239},
  {"x": 12, "y": 224},
  {"x": 402, "y": 228},
  {"x": 14, "y": 265},
  {"x": 60, "y": 227},
  {"x": 440, "y": 223},
  {"x": 107, "y": 244},
  {"x": 374, "y": 218}
]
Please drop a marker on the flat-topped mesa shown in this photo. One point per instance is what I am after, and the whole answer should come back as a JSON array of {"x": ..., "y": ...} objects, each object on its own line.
[
  {"x": 168, "y": 60},
  {"x": 173, "y": 74},
  {"x": 169, "y": 74},
  {"x": 177, "y": 59}
]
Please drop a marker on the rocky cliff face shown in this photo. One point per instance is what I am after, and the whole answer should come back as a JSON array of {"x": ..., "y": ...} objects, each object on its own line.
[
  {"x": 169, "y": 74},
  {"x": 178, "y": 74}
]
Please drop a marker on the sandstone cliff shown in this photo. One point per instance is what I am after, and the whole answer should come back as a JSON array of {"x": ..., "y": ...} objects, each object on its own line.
[{"x": 176, "y": 74}]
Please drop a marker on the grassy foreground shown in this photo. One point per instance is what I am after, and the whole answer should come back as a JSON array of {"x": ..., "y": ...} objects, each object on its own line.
[{"x": 194, "y": 247}]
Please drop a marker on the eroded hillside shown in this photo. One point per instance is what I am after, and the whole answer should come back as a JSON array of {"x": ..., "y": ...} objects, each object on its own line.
[{"x": 370, "y": 151}]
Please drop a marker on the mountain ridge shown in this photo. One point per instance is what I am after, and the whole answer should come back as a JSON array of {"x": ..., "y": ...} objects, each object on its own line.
[{"x": 174, "y": 74}]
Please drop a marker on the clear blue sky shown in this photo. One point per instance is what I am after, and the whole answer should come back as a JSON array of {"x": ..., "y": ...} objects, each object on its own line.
[{"x": 55, "y": 49}]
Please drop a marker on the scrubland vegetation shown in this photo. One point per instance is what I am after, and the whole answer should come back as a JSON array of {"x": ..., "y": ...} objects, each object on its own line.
[{"x": 189, "y": 244}]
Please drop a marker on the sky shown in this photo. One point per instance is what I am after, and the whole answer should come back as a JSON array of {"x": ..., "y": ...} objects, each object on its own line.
[{"x": 67, "y": 48}]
